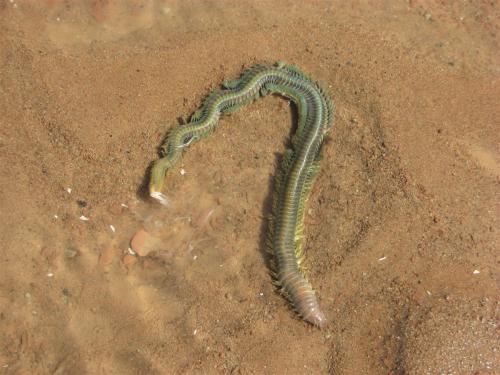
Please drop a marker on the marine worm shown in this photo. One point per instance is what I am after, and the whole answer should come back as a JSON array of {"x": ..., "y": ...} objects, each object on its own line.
[{"x": 296, "y": 174}]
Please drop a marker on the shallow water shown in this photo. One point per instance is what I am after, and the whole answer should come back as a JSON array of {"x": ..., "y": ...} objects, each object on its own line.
[{"x": 401, "y": 227}]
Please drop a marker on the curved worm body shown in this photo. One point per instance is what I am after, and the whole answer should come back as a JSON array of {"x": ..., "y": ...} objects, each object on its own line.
[{"x": 295, "y": 178}]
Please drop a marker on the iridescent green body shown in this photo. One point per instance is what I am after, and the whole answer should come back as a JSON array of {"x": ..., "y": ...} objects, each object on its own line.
[{"x": 295, "y": 178}]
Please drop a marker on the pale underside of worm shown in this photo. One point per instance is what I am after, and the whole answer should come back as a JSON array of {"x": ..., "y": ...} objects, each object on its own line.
[{"x": 293, "y": 181}]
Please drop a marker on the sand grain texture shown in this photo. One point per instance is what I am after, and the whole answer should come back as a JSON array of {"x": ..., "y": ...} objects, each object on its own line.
[{"x": 404, "y": 210}]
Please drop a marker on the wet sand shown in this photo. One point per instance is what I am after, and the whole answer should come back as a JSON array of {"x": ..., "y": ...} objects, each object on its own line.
[{"x": 401, "y": 228}]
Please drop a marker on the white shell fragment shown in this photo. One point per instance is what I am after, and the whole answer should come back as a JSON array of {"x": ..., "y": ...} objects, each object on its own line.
[
  {"x": 68, "y": 190},
  {"x": 383, "y": 258},
  {"x": 131, "y": 252},
  {"x": 183, "y": 171},
  {"x": 112, "y": 227},
  {"x": 84, "y": 218},
  {"x": 476, "y": 272}
]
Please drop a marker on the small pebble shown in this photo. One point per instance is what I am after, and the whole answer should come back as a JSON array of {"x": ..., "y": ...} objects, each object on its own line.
[
  {"x": 84, "y": 218},
  {"x": 70, "y": 253},
  {"x": 68, "y": 190},
  {"x": 159, "y": 224},
  {"x": 143, "y": 243},
  {"x": 116, "y": 209},
  {"x": 112, "y": 227},
  {"x": 383, "y": 258},
  {"x": 183, "y": 172},
  {"x": 81, "y": 203},
  {"x": 129, "y": 261},
  {"x": 476, "y": 272},
  {"x": 107, "y": 256}
]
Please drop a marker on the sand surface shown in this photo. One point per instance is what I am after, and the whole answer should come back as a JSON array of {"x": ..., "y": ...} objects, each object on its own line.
[{"x": 401, "y": 229}]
